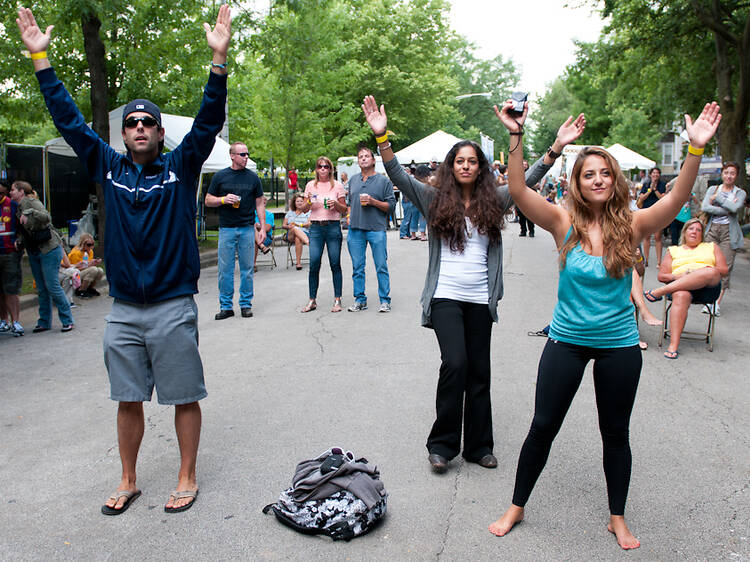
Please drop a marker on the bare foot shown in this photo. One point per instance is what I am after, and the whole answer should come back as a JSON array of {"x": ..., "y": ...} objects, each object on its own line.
[
  {"x": 625, "y": 538},
  {"x": 649, "y": 318},
  {"x": 502, "y": 526}
]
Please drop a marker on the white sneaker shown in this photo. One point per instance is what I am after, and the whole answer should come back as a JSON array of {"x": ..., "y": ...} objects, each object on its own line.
[
  {"x": 385, "y": 307},
  {"x": 17, "y": 329},
  {"x": 357, "y": 306},
  {"x": 4, "y": 326},
  {"x": 707, "y": 309}
]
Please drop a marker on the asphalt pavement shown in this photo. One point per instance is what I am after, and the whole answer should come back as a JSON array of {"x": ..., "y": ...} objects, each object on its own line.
[{"x": 284, "y": 386}]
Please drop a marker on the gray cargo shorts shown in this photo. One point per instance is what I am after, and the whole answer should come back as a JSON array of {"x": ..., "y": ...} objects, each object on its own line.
[{"x": 147, "y": 345}]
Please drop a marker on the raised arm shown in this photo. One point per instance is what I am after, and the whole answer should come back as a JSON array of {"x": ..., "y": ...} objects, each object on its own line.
[
  {"x": 417, "y": 192},
  {"x": 567, "y": 133},
  {"x": 661, "y": 213},
  {"x": 552, "y": 218}
]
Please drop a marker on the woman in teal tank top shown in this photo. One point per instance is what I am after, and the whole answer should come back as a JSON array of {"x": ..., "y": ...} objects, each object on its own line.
[{"x": 596, "y": 235}]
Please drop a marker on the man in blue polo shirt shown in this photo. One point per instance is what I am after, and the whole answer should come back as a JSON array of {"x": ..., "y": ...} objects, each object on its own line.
[
  {"x": 151, "y": 338},
  {"x": 372, "y": 200}
]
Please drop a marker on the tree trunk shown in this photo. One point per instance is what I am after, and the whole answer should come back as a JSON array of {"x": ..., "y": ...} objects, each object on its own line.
[{"x": 95, "y": 55}]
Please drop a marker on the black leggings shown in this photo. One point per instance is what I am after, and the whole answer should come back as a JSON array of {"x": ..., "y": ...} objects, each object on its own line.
[
  {"x": 463, "y": 392},
  {"x": 616, "y": 374}
]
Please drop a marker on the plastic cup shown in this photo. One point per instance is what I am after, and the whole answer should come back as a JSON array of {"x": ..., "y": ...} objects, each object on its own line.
[{"x": 236, "y": 204}]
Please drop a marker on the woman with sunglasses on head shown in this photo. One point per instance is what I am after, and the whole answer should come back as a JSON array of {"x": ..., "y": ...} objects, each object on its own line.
[
  {"x": 325, "y": 198},
  {"x": 596, "y": 235},
  {"x": 465, "y": 211},
  {"x": 82, "y": 258}
]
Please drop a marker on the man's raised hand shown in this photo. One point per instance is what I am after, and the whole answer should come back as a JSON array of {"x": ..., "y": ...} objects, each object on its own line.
[
  {"x": 375, "y": 115},
  {"x": 31, "y": 35},
  {"x": 218, "y": 37}
]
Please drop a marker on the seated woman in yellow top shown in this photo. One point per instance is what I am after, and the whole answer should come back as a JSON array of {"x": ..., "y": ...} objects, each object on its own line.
[
  {"x": 692, "y": 270},
  {"x": 82, "y": 258}
]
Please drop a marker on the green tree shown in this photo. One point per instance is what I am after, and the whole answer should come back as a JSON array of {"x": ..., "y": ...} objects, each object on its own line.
[
  {"x": 497, "y": 77},
  {"x": 687, "y": 40},
  {"x": 554, "y": 108},
  {"x": 632, "y": 128}
]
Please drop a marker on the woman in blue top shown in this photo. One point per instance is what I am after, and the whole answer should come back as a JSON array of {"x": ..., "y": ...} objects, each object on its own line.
[{"x": 596, "y": 234}]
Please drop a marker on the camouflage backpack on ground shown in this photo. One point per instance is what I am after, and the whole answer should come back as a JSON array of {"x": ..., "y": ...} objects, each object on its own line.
[{"x": 333, "y": 495}]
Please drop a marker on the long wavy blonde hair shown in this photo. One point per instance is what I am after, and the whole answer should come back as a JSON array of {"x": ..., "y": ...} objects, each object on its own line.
[{"x": 615, "y": 220}]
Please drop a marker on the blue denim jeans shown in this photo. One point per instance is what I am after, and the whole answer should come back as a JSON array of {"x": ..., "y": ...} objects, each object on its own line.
[
  {"x": 409, "y": 209},
  {"x": 418, "y": 222},
  {"x": 357, "y": 241},
  {"x": 239, "y": 241},
  {"x": 329, "y": 235},
  {"x": 44, "y": 268}
]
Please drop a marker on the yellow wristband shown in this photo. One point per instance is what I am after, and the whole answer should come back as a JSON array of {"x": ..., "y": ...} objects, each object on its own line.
[
  {"x": 696, "y": 151},
  {"x": 222, "y": 200},
  {"x": 381, "y": 140},
  {"x": 39, "y": 56}
]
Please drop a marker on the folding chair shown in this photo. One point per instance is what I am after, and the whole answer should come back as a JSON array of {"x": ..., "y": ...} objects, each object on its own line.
[
  {"x": 268, "y": 258},
  {"x": 291, "y": 257},
  {"x": 708, "y": 335}
]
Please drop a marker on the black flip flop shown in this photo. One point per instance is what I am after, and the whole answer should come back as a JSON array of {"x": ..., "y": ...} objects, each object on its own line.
[{"x": 131, "y": 497}]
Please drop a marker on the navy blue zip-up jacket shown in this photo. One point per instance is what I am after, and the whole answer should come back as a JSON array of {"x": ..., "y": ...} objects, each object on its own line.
[{"x": 150, "y": 244}]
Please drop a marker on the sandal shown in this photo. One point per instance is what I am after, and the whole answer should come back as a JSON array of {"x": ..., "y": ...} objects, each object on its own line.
[
  {"x": 671, "y": 354},
  {"x": 336, "y": 306},
  {"x": 129, "y": 496},
  {"x": 649, "y": 296},
  {"x": 312, "y": 305},
  {"x": 174, "y": 496}
]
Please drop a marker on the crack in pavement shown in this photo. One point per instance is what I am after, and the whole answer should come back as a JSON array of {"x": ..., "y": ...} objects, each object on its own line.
[{"x": 450, "y": 511}]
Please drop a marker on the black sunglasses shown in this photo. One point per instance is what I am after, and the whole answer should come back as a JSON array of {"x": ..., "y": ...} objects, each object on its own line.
[
  {"x": 323, "y": 166},
  {"x": 243, "y": 154},
  {"x": 148, "y": 121}
]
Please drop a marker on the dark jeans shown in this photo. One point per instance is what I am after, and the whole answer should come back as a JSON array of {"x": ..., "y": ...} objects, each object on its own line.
[
  {"x": 463, "y": 331},
  {"x": 330, "y": 236},
  {"x": 616, "y": 375},
  {"x": 524, "y": 222}
]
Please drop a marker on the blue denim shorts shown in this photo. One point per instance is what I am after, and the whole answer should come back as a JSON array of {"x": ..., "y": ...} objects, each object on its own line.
[{"x": 147, "y": 345}]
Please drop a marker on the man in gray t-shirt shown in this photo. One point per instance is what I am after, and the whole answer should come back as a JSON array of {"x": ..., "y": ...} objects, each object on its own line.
[{"x": 372, "y": 200}]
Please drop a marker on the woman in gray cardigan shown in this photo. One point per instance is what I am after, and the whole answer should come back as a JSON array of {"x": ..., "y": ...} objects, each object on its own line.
[
  {"x": 721, "y": 204},
  {"x": 466, "y": 212}
]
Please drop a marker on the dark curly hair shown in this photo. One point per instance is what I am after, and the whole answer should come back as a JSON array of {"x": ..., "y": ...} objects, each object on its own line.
[{"x": 447, "y": 210}]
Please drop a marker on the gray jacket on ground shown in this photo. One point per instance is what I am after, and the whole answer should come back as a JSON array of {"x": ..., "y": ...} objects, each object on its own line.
[
  {"x": 421, "y": 195},
  {"x": 727, "y": 203},
  {"x": 359, "y": 478}
]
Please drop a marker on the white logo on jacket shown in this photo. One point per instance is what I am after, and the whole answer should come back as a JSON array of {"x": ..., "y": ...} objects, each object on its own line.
[{"x": 172, "y": 178}]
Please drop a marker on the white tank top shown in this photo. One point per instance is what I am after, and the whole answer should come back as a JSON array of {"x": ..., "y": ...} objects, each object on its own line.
[{"x": 463, "y": 276}]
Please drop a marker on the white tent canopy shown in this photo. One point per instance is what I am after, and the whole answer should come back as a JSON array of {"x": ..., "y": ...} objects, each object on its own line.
[
  {"x": 175, "y": 129},
  {"x": 630, "y": 159},
  {"x": 432, "y": 146}
]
